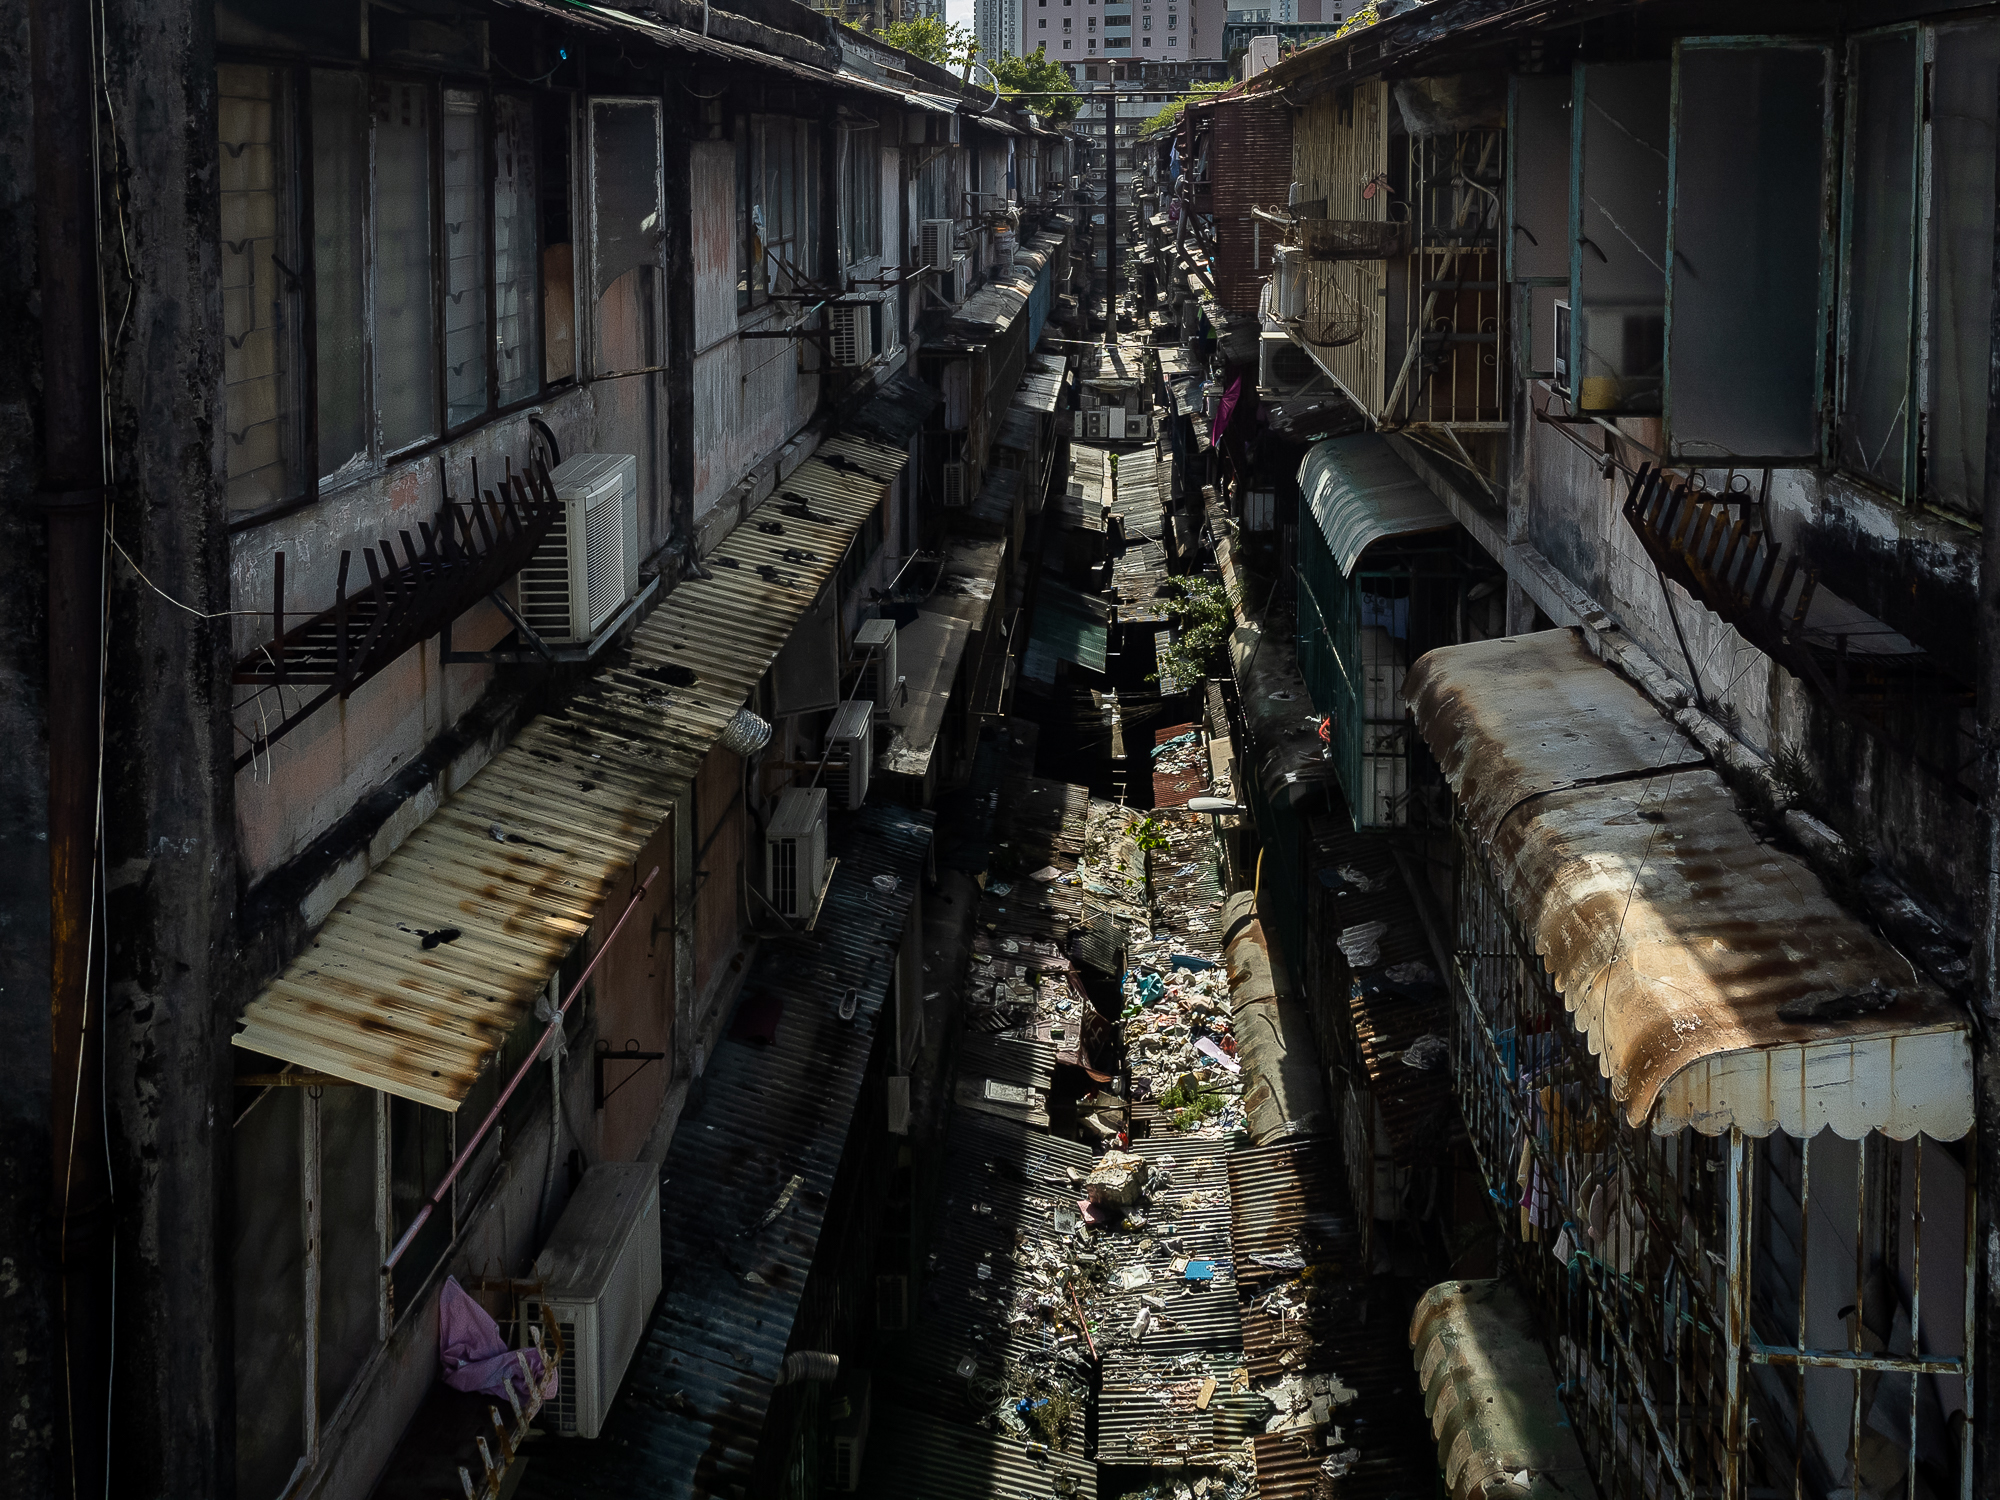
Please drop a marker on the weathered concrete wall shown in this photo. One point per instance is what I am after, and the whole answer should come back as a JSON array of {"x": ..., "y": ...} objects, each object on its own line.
[
  {"x": 1916, "y": 572},
  {"x": 169, "y": 824},
  {"x": 26, "y": 1315},
  {"x": 317, "y": 773}
]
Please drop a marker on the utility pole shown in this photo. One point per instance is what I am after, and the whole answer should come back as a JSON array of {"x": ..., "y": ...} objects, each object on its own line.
[{"x": 1111, "y": 217}]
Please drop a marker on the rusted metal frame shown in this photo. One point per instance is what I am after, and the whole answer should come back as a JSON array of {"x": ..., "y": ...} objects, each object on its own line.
[
  {"x": 1668, "y": 1448},
  {"x": 1429, "y": 304}
]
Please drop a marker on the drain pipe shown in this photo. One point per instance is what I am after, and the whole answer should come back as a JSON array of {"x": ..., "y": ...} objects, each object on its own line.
[{"x": 73, "y": 498}]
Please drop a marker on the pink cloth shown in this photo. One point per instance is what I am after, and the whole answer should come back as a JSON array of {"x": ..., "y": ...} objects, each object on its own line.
[{"x": 476, "y": 1358}]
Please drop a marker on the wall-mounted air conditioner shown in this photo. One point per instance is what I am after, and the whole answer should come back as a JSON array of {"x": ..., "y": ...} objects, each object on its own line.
[
  {"x": 875, "y": 643},
  {"x": 850, "y": 753},
  {"x": 795, "y": 851},
  {"x": 850, "y": 1431},
  {"x": 588, "y": 565},
  {"x": 600, "y": 1273},
  {"x": 1138, "y": 426},
  {"x": 851, "y": 335},
  {"x": 957, "y": 485},
  {"x": 935, "y": 245},
  {"x": 1288, "y": 284},
  {"x": 1282, "y": 366},
  {"x": 955, "y": 287}
]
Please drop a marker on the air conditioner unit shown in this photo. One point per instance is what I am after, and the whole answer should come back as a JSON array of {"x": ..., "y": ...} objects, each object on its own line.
[
  {"x": 876, "y": 640},
  {"x": 892, "y": 1303},
  {"x": 851, "y": 335},
  {"x": 935, "y": 245},
  {"x": 850, "y": 1431},
  {"x": 795, "y": 851},
  {"x": 1282, "y": 366},
  {"x": 1138, "y": 426},
  {"x": 600, "y": 1274},
  {"x": 1288, "y": 284},
  {"x": 955, "y": 485},
  {"x": 1562, "y": 336},
  {"x": 588, "y": 565},
  {"x": 850, "y": 752},
  {"x": 955, "y": 287}
]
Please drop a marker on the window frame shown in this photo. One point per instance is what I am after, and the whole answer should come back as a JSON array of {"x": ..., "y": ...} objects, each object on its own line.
[{"x": 376, "y": 458}]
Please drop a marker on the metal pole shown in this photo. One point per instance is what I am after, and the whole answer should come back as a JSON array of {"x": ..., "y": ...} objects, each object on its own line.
[
  {"x": 1111, "y": 217},
  {"x": 72, "y": 497}
]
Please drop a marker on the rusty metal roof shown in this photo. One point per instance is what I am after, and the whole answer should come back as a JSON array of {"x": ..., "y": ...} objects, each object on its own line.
[
  {"x": 1717, "y": 981},
  {"x": 1491, "y": 1396},
  {"x": 690, "y": 1413},
  {"x": 1360, "y": 491},
  {"x": 1146, "y": 1411},
  {"x": 517, "y": 865},
  {"x": 913, "y": 1455}
]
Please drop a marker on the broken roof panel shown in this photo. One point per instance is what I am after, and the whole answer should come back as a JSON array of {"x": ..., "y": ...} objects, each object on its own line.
[
  {"x": 1716, "y": 980},
  {"x": 928, "y": 652}
]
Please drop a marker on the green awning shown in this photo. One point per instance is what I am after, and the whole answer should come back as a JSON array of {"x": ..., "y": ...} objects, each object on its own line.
[
  {"x": 1359, "y": 490},
  {"x": 1069, "y": 626}
]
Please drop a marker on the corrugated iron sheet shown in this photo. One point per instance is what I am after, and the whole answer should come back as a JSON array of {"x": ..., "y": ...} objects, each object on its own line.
[
  {"x": 913, "y": 1455},
  {"x": 928, "y": 652},
  {"x": 1359, "y": 490},
  {"x": 687, "y": 1420},
  {"x": 1491, "y": 1396},
  {"x": 1139, "y": 570},
  {"x": 518, "y": 864},
  {"x": 1250, "y": 166},
  {"x": 1713, "y": 975},
  {"x": 1146, "y": 1411}
]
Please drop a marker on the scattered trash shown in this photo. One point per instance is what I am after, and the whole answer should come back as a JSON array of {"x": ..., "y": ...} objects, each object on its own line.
[
  {"x": 1131, "y": 1278},
  {"x": 1362, "y": 946},
  {"x": 886, "y": 883},
  {"x": 1416, "y": 971},
  {"x": 1363, "y": 883},
  {"x": 1427, "y": 1053},
  {"x": 1200, "y": 1270}
]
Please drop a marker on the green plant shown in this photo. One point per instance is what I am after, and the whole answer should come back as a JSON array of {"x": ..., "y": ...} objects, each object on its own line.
[
  {"x": 935, "y": 40},
  {"x": 1792, "y": 771},
  {"x": 1054, "y": 97},
  {"x": 1203, "y": 620},
  {"x": 1149, "y": 834},
  {"x": 1172, "y": 112}
]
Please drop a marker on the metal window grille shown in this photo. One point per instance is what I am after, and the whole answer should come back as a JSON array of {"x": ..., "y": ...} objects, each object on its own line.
[{"x": 1727, "y": 1317}]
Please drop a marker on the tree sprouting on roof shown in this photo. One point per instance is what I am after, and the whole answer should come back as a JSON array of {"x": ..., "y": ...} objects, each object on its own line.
[
  {"x": 933, "y": 39},
  {"x": 1051, "y": 94},
  {"x": 1172, "y": 111}
]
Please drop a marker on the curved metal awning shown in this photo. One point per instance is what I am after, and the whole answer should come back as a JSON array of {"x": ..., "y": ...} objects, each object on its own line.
[
  {"x": 1491, "y": 1398},
  {"x": 1718, "y": 983},
  {"x": 1359, "y": 490}
]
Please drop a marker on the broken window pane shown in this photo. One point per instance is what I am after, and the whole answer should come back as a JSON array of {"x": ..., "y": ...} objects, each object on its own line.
[
  {"x": 1961, "y": 312},
  {"x": 627, "y": 224},
  {"x": 340, "y": 191},
  {"x": 1749, "y": 164},
  {"x": 465, "y": 258},
  {"x": 262, "y": 296},
  {"x": 1874, "y": 418},
  {"x": 405, "y": 317},
  {"x": 516, "y": 275},
  {"x": 1623, "y": 237}
]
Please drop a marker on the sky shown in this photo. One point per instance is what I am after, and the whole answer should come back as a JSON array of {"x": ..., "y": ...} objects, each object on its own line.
[{"x": 959, "y": 12}]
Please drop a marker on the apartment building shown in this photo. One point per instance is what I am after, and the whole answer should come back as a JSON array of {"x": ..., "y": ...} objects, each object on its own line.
[
  {"x": 497, "y": 590},
  {"x": 1594, "y": 400}
]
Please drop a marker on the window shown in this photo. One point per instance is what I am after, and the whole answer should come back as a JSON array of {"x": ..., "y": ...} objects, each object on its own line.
[
  {"x": 860, "y": 194},
  {"x": 1042, "y": 25},
  {"x": 1065, "y": 44},
  {"x": 1148, "y": 41},
  {"x": 777, "y": 193},
  {"x": 263, "y": 353},
  {"x": 1914, "y": 279},
  {"x": 420, "y": 272}
]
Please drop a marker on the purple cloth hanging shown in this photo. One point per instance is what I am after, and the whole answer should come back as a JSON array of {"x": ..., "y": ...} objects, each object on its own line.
[{"x": 476, "y": 1358}]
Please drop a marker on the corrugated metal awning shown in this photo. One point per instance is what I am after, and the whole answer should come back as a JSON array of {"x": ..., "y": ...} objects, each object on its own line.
[
  {"x": 419, "y": 974},
  {"x": 1717, "y": 981},
  {"x": 1491, "y": 1396},
  {"x": 1360, "y": 491},
  {"x": 928, "y": 651}
]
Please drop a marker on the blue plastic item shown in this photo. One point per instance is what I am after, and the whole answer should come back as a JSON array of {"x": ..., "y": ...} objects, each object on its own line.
[
  {"x": 1201, "y": 1270},
  {"x": 1190, "y": 962}
]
